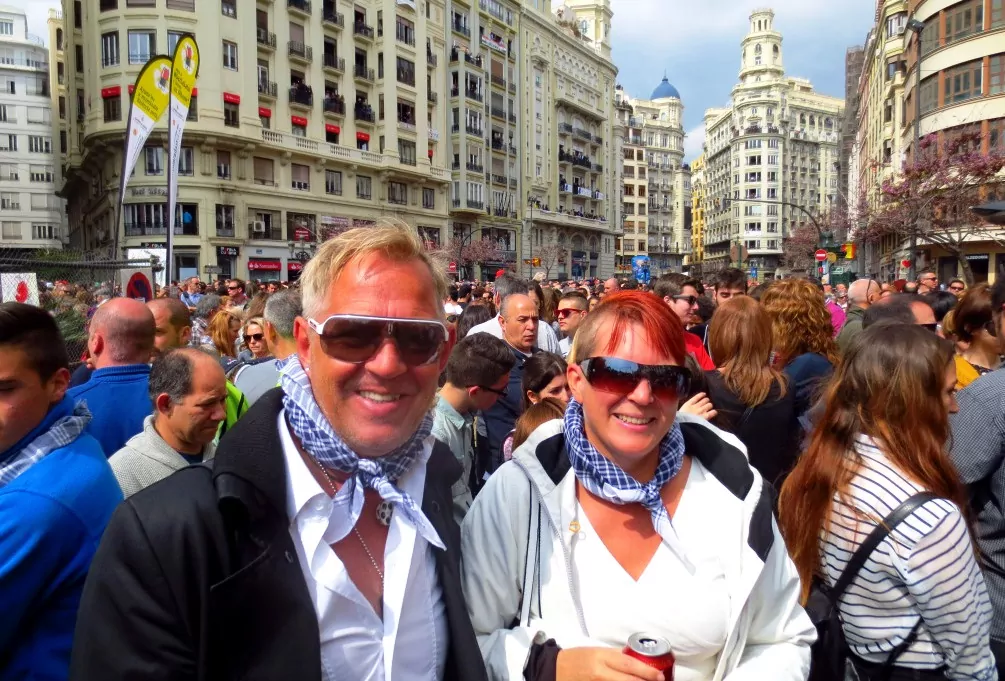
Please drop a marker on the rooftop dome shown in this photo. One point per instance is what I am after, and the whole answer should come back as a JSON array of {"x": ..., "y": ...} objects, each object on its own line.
[{"x": 665, "y": 90}]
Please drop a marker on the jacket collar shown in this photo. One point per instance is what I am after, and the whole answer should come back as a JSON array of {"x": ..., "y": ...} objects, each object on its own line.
[
  {"x": 126, "y": 371},
  {"x": 150, "y": 444}
]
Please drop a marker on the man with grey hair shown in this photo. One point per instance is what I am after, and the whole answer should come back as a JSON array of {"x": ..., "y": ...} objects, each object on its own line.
[
  {"x": 508, "y": 285},
  {"x": 257, "y": 377},
  {"x": 188, "y": 390},
  {"x": 861, "y": 295},
  {"x": 327, "y": 514},
  {"x": 207, "y": 306}
]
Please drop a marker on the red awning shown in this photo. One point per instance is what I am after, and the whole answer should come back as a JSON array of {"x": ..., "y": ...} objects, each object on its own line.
[
  {"x": 131, "y": 88},
  {"x": 294, "y": 266},
  {"x": 430, "y": 153},
  {"x": 265, "y": 265},
  {"x": 195, "y": 92},
  {"x": 264, "y": 113},
  {"x": 113, "y": 91},
  {"x": 231, "y": 98},
  {"x": 329, "y": 127},
  {"x": 363, "y": 137},
  {"x": 298, "y": 120}
]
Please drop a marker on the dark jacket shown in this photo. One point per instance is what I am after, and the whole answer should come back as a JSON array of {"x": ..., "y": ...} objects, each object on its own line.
[
  {"x": 501, "y": 418},
  {"x": 852, "y": 327},
  {"x": 197, "y": 577},
  {"x": 808, "y": 373},
  {"x": 770, "y": 430}
]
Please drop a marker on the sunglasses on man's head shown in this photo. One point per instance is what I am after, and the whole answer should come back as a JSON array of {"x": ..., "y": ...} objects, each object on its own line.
[
  {"x": 257, "y": 337},
  {"x": 621, "y": 376},
  {"x": 564, "y": 312},
  {"x": 356, "y": 338}
]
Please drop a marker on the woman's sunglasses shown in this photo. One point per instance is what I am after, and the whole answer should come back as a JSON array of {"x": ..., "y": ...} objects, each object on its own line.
[
  {"x": 621, "y": 376},
  {"x": 356, "y": 339},
  {"x": 257, "y": 337}
]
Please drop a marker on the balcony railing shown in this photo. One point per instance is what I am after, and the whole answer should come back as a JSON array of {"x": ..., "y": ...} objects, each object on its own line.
[
  {"x": 499, "y": 112},
  {"x": 565, "y": 188},
  {"x": 470, "y": 203},
  {"x": 363, "y": 73},
  {"x": 565, "y": 128},
  {"x": 473, "y": 94},
  {"x": 333, "y": 18},
  {"x": 299, "y": 5},
  {"x": 333, "y": 62},
  {"x": 365, "y": 114},
  {"x": 499, "y": 145},
  {"x": 431, "y": 59},
  {"x": 498, "y": 80},
  {"x": 498, "y": 179},
  {"x": 268, "y": 88},
  {"x": 266, "y": 38},
  {"x": 407, "y": 126},
  {"x": 362, "y": 30},
  {"x": 462, "y": 29},
  {"x": 147, "y": 229},
  {"x": 576, "y": 159},
  {"x": 300, "y": 51},
  {"x": 301, "y": 95},
  {"x": 582, "y": 134},
  {"x": 475, "y": 167},
  {"x": 335, "y": 105},
  {"x": 475, "y": 130}
]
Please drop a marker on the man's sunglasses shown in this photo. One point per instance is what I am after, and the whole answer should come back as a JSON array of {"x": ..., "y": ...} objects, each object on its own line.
[
  {"x": 233, "y": 288},
  {"x": 691, "y": 300},
  {"x": 500, "y": 393},
  {"x": 564, "y": 312},
  {"x": 356, "y": 339},
  {"x": 257, "y": 337},
  {"x": 621, "y": 376}
]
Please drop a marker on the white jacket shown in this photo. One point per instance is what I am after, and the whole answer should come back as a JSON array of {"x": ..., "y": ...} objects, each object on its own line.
[{"x": 512, "y": 529}]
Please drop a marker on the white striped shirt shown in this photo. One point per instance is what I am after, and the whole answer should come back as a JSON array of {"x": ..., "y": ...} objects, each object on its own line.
[{"x": 925, "y": 568}]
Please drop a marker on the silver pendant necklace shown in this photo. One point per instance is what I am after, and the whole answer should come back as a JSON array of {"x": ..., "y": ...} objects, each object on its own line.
[{"x": 384, "y": 512}]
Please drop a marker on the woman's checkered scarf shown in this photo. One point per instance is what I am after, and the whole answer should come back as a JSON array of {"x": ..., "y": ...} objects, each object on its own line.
[
  {"x": 380, "y": 474},
  {"x": 605, "y": 479}
]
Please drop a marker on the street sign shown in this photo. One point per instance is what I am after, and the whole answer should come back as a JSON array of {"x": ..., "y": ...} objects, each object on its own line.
[
  {"x": 820, "y": 255},
  {"x": 212, "y": 269},
  {"x": 837, "y": 270}
]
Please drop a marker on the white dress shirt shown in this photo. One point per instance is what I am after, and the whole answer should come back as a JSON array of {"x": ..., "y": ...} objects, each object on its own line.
[{"x": 410, "y": 643}]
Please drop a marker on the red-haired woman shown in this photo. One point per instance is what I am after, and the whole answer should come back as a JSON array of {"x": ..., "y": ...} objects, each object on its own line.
[
  {"x": 626, "y": 517},
  {"x": 880, "y": 441}
]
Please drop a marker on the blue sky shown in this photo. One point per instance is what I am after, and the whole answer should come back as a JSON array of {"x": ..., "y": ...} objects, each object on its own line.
[{"x": 698, "y": 45}]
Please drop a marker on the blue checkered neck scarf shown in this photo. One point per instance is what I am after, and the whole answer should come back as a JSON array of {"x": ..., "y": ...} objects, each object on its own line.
[
  {"x": 605, "y": 479},
  {"x": 317, "y": 437},
  {"x": 61, "y": 433}
]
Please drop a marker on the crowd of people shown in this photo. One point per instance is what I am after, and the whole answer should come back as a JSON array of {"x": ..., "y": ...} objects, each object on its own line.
[{"x": 376, "y": 473}]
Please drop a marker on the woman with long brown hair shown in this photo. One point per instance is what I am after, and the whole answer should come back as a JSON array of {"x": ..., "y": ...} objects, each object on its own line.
[
  {"x": 803, "y": 337},
  {"x": 223, "y": 331},
  {"x": 751, "y": 396},
  {"x": 976, "y": 345},
  {"x": 881, "y": 440}
]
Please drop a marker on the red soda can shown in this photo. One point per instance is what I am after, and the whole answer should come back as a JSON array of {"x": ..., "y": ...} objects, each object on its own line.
[{"x": 652, "y": 650}]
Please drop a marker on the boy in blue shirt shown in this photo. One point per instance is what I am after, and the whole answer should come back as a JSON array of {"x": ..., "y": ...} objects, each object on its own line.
[{"x": 57, "y": 493}]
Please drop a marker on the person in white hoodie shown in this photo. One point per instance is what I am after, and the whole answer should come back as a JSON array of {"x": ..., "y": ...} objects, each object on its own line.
[{"x": 626, "y": 517}]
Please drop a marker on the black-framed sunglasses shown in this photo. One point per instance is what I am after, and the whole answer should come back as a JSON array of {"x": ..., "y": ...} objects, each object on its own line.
[
  {"x": 500, "y": 393},
  {"x": 691, "y": 300},
  {"x": 357, "y": 338},
  {"x": 257, "y": 337},
  {"x": 622, "y": 376}
]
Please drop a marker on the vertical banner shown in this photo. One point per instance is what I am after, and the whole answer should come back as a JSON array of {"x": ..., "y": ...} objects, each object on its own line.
[
  {"x": 148, "y": 104},
  {"x": 183, "y": 74}
]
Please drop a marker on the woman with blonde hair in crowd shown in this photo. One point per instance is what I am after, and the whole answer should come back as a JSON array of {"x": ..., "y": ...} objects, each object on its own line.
[
  {"x": 752, "y": 397},
  {"x": 253, "y": 345},
  {"x": 803, "y": 338},
  {"x": 917, "y": 609},
  {"x": 223, "y": 330}
]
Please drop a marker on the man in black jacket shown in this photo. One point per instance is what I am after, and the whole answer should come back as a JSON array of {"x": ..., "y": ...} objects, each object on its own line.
[{"x": 321, "y": 544}]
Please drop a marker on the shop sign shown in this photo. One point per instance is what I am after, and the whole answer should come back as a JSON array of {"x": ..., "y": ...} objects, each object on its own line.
[
  {"x": 977, "y": 256},
  {"x": 294, "y": 266},
  {"x": 265, "y": 266},
  {"x": 228, "y": 251}
]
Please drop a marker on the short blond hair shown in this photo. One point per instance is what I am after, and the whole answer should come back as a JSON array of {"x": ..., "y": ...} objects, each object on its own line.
[{"x": 391, "y": 237}]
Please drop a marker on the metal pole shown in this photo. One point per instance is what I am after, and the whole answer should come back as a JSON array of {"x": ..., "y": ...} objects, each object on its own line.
[{"x": 913, "y": 243}]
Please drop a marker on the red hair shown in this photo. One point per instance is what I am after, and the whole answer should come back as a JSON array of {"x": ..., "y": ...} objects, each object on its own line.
[{"x": 662, "y": 327}]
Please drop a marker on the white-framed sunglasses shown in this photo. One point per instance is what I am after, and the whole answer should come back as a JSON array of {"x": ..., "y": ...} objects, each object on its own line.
[{"x": 357, "y": 338}]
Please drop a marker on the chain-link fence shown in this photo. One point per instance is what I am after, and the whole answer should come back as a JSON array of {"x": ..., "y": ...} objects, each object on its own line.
[{"x": 71, "y": 285}]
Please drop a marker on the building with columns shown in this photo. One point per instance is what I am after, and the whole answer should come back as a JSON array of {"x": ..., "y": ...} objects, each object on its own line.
[{"x": 772, "y": 157}]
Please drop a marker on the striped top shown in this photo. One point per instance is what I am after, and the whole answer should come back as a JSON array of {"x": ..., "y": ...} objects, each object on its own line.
[{"x": 925, "y": 568}]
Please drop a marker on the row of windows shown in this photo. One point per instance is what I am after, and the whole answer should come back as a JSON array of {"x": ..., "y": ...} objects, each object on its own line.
[
  {"x": 37, "y": 144},
  {"x": 12, "y": 201},
  {"x": 961, "y": 21},
  {"x": 39, "y": 231},
  {"x": 963, "y": 82}
]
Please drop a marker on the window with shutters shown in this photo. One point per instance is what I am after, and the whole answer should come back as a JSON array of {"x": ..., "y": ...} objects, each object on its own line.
[
  {"x": 186, "y": 161},
  {"x": 153, "y": 160},
  {"x": 333, "y": 182},
  {"x": 363, "y": 187},
  {"x": 301, "y": 175}
]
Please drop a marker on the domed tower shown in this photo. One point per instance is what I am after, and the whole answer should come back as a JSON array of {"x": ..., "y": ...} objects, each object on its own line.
[{"x": 761, "y": 59}]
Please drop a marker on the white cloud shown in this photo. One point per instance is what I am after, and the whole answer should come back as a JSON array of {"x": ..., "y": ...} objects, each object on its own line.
[{"x": 693, "y": 141}]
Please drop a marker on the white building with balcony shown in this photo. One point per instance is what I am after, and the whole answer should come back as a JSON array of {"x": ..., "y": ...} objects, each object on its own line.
[{"x": 31, "y": 216}]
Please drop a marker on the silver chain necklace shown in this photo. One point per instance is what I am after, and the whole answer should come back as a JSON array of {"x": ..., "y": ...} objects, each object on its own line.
[{"x": 369, "y": 554}]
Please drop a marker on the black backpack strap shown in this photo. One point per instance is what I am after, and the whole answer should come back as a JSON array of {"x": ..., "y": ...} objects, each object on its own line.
[{"x": 878, "y": 534}]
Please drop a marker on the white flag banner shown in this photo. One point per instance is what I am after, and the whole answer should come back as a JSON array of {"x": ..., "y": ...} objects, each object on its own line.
[
  {"x": 183, "y": 74},
  {"x": 19, "y": 288}
]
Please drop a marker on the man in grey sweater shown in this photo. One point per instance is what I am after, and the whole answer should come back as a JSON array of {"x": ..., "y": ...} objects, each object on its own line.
[{"x": 189, "y": 390}]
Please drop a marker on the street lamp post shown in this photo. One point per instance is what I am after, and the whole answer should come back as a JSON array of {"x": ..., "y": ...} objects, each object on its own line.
[
  {"x": 302, "y": 250},
  {"x": 531, "y": 202},
  {"x": 916, "y": 27}
]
